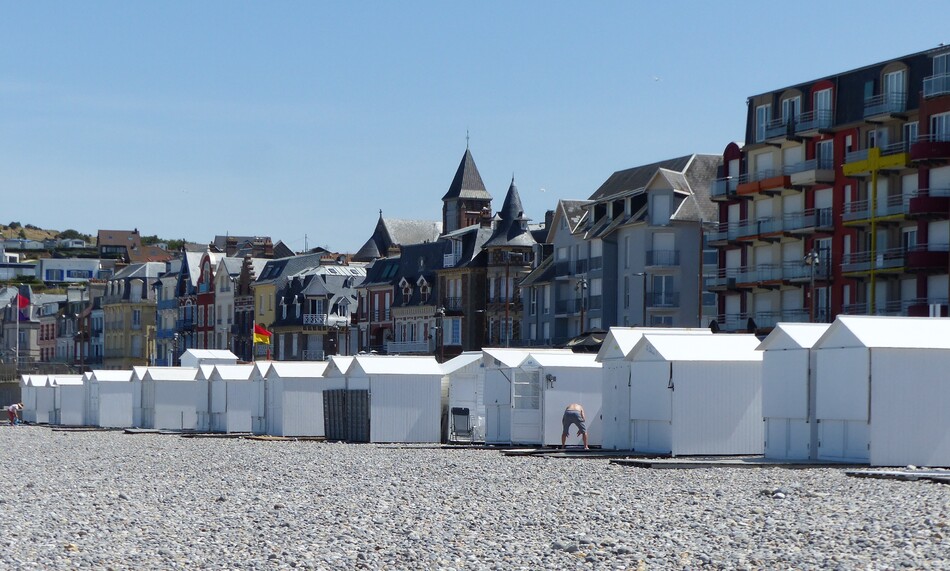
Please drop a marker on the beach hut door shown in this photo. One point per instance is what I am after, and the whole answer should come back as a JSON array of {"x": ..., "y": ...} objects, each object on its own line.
[{"x": 526, "y": 407}]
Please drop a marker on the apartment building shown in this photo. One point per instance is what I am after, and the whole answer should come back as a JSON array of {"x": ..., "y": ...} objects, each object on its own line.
[{"x": 839, "y": 198}]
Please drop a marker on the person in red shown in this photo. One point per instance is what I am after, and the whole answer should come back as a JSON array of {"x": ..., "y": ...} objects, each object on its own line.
[{"x": 12, "y": 412}]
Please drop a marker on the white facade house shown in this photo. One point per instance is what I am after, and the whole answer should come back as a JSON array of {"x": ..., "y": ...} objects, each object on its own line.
[
  {"x": 170, "y": 397},
  {"x": 500, "y": 365},
  {"x": 69, "y": 400},
  {"x": 194, "y": 357},
  {"x": 70, "y": 270},
  {"x": 882, "y": 391},
  {"x": 465, "y": 383},
  {"x": 544, "y": 385},
  {"x": 613, "y": 354},
  {"x": 109, "y": 398},
  {"x": 696, "y": 394},
  {"x": 789, "y": 372},
  {"x": 293, "y": 393}
]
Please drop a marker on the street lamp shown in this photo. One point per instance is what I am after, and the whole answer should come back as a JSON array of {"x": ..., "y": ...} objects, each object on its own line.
[
  {"x": 643, "y": 298},
  {"x": 581, "y": 287},
  {"x": 812, "y": 259},
  {"x": 440, "y": 332}
]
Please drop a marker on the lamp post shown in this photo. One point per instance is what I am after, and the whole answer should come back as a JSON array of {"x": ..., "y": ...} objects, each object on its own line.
[
  {"x": 643, "y": 298},
  {"x": 440, "y": 332},
  {"x": 175, "y": 337},
  {"x": 581, "y": 287},
  {"x": 812, "y": 259}
]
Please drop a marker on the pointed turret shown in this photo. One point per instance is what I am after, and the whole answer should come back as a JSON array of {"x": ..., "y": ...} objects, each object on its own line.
[
  {"x": 465, "y": 198},
  {"x": 511, "y": 226}
]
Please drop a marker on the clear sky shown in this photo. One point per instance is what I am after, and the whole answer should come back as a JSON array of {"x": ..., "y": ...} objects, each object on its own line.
[{"x": 294, "y": 119}]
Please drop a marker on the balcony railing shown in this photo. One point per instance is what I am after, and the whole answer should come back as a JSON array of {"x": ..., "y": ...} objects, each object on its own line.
[
  {"x": 885, "y": 103},
  {"x": 814, "y": 120},
  {"x": 449, "y": 260},
  {"x": 723, "y": 187},
  {"x": 809, "y": 165},
  {"x": 318, "y": 319},
  {"x": 855, "y": 156},
  {"x": 663, "y": 257},
  {"x": 394, "y": 347},
  {"x": 810, "y": 218},
  {"x": 452, "y": 303},
  {"x": 779, "y": 127},
  {"x": 937, "y": 85},
  {"x": 570, "y": 267},
  {"x": 882, "y": 260},
  {"x": 313, "y": 355},
  {"x": 663, "y": 299},
  {"x": 596, "y": 263}
]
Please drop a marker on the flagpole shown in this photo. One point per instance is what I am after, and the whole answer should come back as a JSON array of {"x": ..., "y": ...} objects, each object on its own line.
[
  {"x": 253, "y": 344},
  {"x": 16, "y": 313}
]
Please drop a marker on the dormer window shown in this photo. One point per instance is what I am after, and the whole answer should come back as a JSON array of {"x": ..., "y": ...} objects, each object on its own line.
[
  {"x": 406, "y": 290},
  {"x": 423, "y": 290}
]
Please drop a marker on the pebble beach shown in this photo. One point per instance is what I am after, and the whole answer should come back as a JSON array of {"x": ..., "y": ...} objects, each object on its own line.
[{"x": 109, "y": 500}]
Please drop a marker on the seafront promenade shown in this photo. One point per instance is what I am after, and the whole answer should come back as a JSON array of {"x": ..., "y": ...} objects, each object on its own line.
[{"x": 100, "y": 500}]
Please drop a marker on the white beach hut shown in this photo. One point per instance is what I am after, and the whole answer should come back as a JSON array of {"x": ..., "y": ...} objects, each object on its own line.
[
  {"x": 882, "y": 391},
  {"x": 405, "y": 396},
  {"x": 696, "y": 394},
  {"x": 259, "y": 400},
  {"x": 203, "y": 390},
  {"x": 170, "y": 397},
  {"x": 294, "y": 398},
  {"x": 109, "y": 398},
  {"x": 231, "y": 398},
  {"x": 191, "y": 358},
  {"x": 501, "y": 368},
  {"x": 788, "y": 390},
  {"x": 28, "y": 393},
  {"x": 465, "y": 383},
  {"x": 69, "y": 400},
  {"x": 546, "y": 385},
  {"x": 615, "y": 413}
]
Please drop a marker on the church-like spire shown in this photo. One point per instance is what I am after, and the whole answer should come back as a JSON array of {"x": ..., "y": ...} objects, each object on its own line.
[
  {"x": 468, "y": 181},
  {"x": 511, "y": 226}
]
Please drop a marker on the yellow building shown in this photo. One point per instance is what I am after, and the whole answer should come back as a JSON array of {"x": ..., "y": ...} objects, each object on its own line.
[{"x": 129, "y": 310}]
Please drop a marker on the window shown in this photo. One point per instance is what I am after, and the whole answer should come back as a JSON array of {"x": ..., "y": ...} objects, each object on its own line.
[
  {"x": 79, "y": 274},
  {"x": 547, "y": 300},
  {"x": 909, "y": 239},
  {"x": 940, "y": 127},
  {"x": 533, "y": 308},
  {"x": 663, "y": 295},
  {"x": 894, "y": 87},
  {"x": 823, "y": 106},
  {"x": 136, "y": 317},
  {"x": 910, "y": 133},
  {"x": 824, "y": 154},
  {"x": 763, "y": 114},
  {"x": 626, "y": 292},
  {"x": 661, "y": 321},
  {"x": 942, "y": 64},
  {"x": 791, "y": 109},
  {"x": 53, "y": 275},
  {"x": 455, "y": 332}
]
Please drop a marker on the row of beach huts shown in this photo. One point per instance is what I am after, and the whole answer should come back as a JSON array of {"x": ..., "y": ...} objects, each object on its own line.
[{"x": 861, "y": 390}]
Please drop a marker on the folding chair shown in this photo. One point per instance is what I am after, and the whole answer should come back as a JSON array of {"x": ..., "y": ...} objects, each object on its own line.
[{"x": 462, "y": 425}]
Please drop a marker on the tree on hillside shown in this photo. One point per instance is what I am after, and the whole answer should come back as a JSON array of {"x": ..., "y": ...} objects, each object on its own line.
[{"x": 70, "y": 234}]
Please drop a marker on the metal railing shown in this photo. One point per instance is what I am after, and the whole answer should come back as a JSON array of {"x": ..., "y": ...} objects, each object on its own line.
[
  {"x": 313, "y": 355},
  {"x": 882, "y": 260},
  {"x": 725, "y": 186},
  {"x": 817, "y": 119},
  {"x": 596, "y": 263},
  {"x": 934, "y": 192},
  {"x": 809, "y": 165},
  {"x": 452, "y": 303},
  {"x": 779, "y": 127},
  {"x": 661, "y": 299},
  {"x": 895, "y": 102},
  {"x": 810, "y": 218},
  {"x": 316, "y": 319},
  {"x": 393, "y": 347},
  {"x": 937, "y": 85},
  {"x": 663, "y": 257},
  {"x": 449, "y": 260}
]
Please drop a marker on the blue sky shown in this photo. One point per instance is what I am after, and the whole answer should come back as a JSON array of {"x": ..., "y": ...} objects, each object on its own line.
[{"x": 294, "y": 119}]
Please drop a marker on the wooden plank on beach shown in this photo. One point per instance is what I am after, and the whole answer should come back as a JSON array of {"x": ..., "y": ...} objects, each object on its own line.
[
  {"x": 936, "y": 476},
  {"x": 728, "y": 462}
]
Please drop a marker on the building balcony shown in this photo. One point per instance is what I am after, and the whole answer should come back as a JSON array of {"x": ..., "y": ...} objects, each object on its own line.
[
  {"x": 663, "y": 300},
  {"x": 883, "y": 260},
  {"x": 380, "y": 315},
  {"x": 184, "y": 324},
  {"x": 931, "y": 148},
  {"x": 723, "y": 234},
  {"x": 404, "y": 347},
  {"x": 567, "y": 268},
  {"x": 769, "y": 319},
  {"x": 885, "y": 106},
  {"x": 893, "y": 307},
  {"x": 927, "y": 307},
  {"x": 779, "y": 130},
  {"x": 813, "y": 122},
  {"x": 724, "y": 188},
  {"x": 596, "y": 264},
  {"x": 167, "y": 304},
  {"x": 663, "y": 258},
  {"x": 313, "y": 355},
  {"x": 317, "y": 319},
  {"x": 453, "y": 303},
  {"x": 929, "y": 203},
  {"x": 928, "y": 257},
  {"x": 863, "y": 162},
  {"x": 798, "y": 272},
  {"x": 809, "y": 221},
  {"x": 767, "y": 181},
  {"x": 937, "y": 85},
  {"x": 761, "y": 275},
  {"x": 725, "y": 279},
  {"x": 449, "y": 260},
  {"x": 811, "y": 172},
  {"x": 859, "y": 211}
]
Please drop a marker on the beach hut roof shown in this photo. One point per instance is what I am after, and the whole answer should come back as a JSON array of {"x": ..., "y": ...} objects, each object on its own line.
[
  {"x": 107, "y": 375},
  {"x": 66, "y": 380},
  {"x": 232, "y": 372},
  {"x": 724, "y": 347},
  {"x": 588, "y": 360},
  {"x": 621, "y": 340},
  {"x": 263, "y": 367},
  {"x": 397, "y": 365},
  {"x": 513, "y": 357},
  {"x": 297, "y": 369},
  {"x": 879, "y": 331},
  {"x": 793, "y": 336},
  {"x": 460, "y": 362},
  {"x": 338, "y": 364},
  {"x": 171, "y": 374},
  {"x": 38, "y": 380}
]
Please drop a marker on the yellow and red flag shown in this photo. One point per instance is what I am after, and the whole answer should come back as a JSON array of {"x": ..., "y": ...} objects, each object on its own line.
[{"x": 261, "y": 335}]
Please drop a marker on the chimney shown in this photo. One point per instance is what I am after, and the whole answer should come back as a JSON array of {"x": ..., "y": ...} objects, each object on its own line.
[
  {"x": 548, "y": 219},
  {"x": 485, "y": 217}
]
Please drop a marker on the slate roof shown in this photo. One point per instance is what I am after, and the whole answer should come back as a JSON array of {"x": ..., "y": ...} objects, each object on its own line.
[
  {"x": 419, "y": 260},
  {"x": 281, "y": 250},
  {"x": 542, "y": 274},
  {"x": 381, "y": 272},
  {"x": 396, "y": 232},
  {"x": 636, "y": 177},
  {"x": 279, "y": 270},
  {"x": 574, "y": 212},
  {"x": 473, "y": 240},
  {"x": 511, "y": 228},
  {"x": 467, "y": 182},
  {"x": 700, "y": 175}
]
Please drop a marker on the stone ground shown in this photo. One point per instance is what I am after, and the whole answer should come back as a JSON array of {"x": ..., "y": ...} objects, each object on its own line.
[{"x": 100, "y": 500}]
